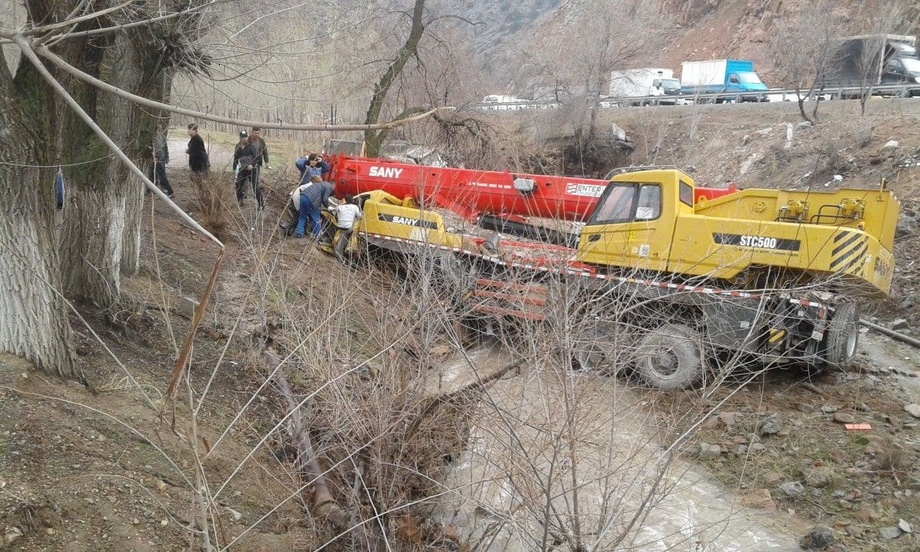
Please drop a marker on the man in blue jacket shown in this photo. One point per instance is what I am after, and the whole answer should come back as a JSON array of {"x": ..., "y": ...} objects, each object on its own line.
[
  {"x": 310, "y": 166},
  {"x": 313, "y": 199}
]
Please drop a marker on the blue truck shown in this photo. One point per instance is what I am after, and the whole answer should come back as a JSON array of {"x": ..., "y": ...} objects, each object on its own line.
[{"x": 731, "y": 79}]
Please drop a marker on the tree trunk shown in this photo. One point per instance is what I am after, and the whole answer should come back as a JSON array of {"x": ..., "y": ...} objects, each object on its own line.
[
  {"x": 102, "y": 233},
  {"x": 36, "y": 131},
  {"x": 91, "y": 243},
  {"x": 155, "y": 83},
  {"x": 374, "y": 139},
  {"x": 131, "y": 238},
  {"x": 91, "y": 233},
  {"x": 33, "y": 314}
]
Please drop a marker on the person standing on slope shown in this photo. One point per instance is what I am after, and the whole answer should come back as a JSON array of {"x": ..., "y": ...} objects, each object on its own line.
[
  {"x": 240, "y": 183},
  {"x": 261, "y": 159},
  {"x": 261, "y": 148},
  {"x": 248, "y": 164},
  {"x": 160, "y": 160},
  {"x": 238, "y": 150},
  {"x": 197, "y": 155}
]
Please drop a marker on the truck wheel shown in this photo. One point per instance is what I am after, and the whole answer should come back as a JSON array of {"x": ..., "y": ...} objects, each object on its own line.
[
  {"x": 600, "y": 348},
  {"x": 589, "y": 357},
  {"x": 841, "y": 336},
  {"x": 669, "y": 357}
]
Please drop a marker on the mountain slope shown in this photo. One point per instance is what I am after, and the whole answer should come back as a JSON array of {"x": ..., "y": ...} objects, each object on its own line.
[{"x": 692, "y": 29}]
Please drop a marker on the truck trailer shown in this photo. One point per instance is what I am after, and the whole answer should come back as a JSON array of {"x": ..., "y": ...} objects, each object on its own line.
[{"x": 729, "y": 79}]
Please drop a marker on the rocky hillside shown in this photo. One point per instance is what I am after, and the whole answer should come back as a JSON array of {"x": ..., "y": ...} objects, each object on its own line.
[{"x": 691, "y": 29}]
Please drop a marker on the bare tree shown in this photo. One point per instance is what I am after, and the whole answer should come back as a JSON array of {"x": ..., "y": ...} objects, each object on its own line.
[
  {"x": 578, "y": 50},
  {"x": 43, "y": 131},
  {"x": 32, "y": 307},
  {"x": 428, "y": 69},
  {"x": 888, "y": 19},
  {"x": 806, "y": 52},
  {"x": 374, "y": 139},
  {"x": 325, "y": 72},
  {"x": 101, "y": 230}
]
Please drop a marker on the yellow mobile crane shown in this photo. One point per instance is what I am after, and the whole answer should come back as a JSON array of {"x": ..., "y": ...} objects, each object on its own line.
[{"x": 774, "y": 274}]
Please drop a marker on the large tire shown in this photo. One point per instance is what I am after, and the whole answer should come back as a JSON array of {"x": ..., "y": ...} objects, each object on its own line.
[
  {"x": 605, "y": 348},
  {"x": 589, "y": 357},
  {"x": 669, "y": 357},
  {"x": 841, "y": 337}
]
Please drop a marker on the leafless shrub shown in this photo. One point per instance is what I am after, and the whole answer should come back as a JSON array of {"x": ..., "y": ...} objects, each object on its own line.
[
  {"x": 213, "y": 198},
  {"x": 891, "y": 459}
]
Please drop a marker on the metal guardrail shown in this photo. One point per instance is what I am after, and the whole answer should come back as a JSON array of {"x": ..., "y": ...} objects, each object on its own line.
[{"x": 772, "y": 95}]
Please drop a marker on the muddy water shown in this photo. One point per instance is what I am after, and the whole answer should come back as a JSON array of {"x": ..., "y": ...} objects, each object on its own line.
[{"x": 553, "y": 457}]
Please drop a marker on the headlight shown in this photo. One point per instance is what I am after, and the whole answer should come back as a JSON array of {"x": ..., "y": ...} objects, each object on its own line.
[{"x": 917, "y": 80}]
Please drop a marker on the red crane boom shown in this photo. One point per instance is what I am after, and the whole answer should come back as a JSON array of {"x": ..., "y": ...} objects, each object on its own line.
[{"x": 471, "y": 193}]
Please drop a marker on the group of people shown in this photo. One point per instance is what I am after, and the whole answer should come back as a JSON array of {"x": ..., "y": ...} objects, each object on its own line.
[
  {"x": 307, "y": 200},
  {"x": 313, "y": 194}
]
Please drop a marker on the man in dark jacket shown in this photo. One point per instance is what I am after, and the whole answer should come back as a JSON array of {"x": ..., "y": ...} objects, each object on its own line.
[
  {"x": 261, "y": 148},
  {"x": 160, "y": 160},
  {"x": 249, "y": 171},
  {"x": 312, "y": 200},
  {"x": 238, "y": 150},
  {"x": 261, "y": 159},
  {"x": 237, "y": 168},
  {"x": 197, "y": 155}
]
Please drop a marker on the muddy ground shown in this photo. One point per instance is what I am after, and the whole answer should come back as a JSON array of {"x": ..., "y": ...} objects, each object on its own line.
[{"x": 98, "y": 469}]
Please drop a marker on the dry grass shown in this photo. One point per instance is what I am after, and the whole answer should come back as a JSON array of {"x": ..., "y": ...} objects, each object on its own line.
[
  {"x": 891, "y": 459},
  {"x": 214, "y": 198}
]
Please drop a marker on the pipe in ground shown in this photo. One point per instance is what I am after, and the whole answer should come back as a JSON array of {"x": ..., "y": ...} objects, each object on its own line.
[{"x": 891, "y": 333}]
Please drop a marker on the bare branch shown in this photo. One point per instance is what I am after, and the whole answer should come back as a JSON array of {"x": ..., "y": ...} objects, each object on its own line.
[
  {"x": 139, "y": 23},
  {"x": 73, "y": 22},
  {"x": 55, "y": 59},
  {"x": 27, "y": 51},
  {"x": 409, "y": 49}
]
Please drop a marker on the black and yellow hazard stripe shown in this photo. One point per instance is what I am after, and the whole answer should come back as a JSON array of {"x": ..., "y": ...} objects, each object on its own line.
[
  {"x": 776, "y": 334},
  {"x": 776, "y": 340},
  {"x": 849, "y": 250}
]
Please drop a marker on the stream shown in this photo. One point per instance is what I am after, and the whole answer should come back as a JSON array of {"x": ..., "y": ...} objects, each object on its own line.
[{"x": 529, "y": 479}]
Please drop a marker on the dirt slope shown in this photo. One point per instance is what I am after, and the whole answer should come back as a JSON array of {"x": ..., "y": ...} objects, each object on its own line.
[{"x": 97, "y": 469}]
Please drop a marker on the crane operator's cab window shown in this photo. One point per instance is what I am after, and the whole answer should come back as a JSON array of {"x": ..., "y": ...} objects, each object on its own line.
[
  {"x": 686, "y": 194},
  {"x": 628, "y": 203}
]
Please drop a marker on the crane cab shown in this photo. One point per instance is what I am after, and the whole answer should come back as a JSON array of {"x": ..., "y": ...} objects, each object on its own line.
[{"x": 634, "y": 220}]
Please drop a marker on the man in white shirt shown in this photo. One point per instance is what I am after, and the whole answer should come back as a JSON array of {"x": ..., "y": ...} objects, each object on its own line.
[
  {"x": 295, "y": 195},
  {"x": 346, "y": 215}
]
